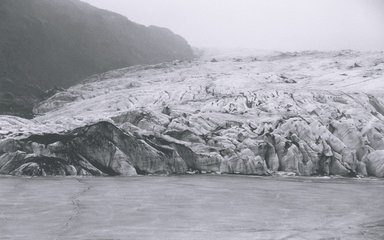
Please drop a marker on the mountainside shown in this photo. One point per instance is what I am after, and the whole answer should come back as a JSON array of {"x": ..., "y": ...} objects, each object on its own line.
[
  {"x": 262, "y": 113},
  {"x": 56, "y": 43}
]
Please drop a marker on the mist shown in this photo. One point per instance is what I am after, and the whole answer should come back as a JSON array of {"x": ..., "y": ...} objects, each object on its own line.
[{"x": 263, "y": 24}]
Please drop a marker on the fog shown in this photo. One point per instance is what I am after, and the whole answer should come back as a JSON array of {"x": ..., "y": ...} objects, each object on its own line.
[{"x": 263, "y": 24}]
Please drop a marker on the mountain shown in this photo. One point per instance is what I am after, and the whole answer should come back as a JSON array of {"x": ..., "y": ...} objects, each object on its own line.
[
  {"x": 256, "y": 113},
  {"x": 56, "y": 43}
]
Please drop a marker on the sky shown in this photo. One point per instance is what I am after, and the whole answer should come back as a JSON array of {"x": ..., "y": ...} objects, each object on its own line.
[{"x": 290, "y": 25}]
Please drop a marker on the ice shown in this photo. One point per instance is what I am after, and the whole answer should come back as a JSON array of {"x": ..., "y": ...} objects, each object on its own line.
[
  {"x": 191, "y": 207},
  {"x": 280, "y": 81}
]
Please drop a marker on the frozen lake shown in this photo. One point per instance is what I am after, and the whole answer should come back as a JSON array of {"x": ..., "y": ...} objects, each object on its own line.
[{"x": 191, "y": 207}]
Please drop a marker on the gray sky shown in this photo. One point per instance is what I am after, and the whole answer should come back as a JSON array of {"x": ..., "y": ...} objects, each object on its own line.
[{"x": 263, "y": 24}]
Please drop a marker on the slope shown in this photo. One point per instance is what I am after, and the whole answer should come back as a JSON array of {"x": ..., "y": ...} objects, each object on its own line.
[{"x": 48, "y": 43}]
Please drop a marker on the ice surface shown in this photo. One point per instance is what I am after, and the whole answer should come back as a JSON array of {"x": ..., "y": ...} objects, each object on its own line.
[
  {"x": 206, "y": 88},
  {"x": 191, "y": 207}
]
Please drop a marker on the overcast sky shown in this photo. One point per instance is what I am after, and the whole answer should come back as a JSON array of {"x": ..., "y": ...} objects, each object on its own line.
[{"x": 263, "y": 24}]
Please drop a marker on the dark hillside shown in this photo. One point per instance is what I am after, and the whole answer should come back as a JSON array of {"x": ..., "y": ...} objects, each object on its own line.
[{"x": 47, "y": 43}]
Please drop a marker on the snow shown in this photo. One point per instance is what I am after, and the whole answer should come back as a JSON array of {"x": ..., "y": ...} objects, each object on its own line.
[{"x": 274, "y": 83}]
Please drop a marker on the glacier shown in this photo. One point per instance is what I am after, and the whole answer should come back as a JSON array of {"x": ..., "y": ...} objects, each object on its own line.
[{"x": 237, "y": 112}]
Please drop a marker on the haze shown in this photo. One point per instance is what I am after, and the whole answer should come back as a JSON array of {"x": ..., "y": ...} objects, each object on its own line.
[{"x": 263, "y": 24}]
